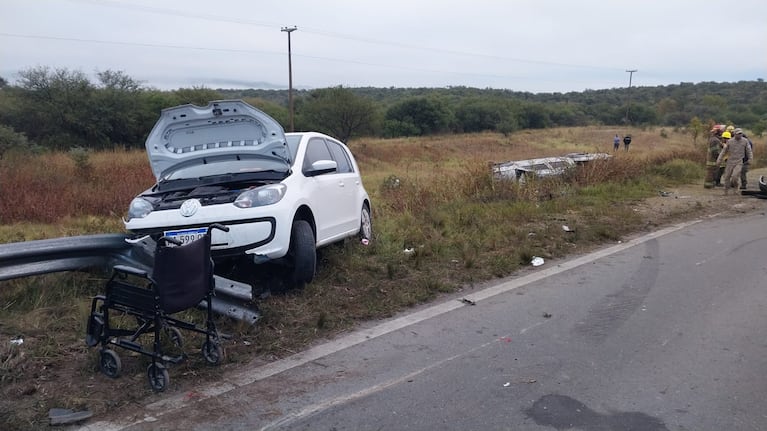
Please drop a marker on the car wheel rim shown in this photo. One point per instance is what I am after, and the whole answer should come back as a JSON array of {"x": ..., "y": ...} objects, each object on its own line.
[{"x": 367, "y": 225}]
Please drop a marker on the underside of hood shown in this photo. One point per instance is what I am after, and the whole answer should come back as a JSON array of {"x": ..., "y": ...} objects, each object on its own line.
[{"x": 188, "y": 133}]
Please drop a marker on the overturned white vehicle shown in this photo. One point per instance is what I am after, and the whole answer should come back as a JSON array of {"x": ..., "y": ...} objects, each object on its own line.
[
  {"x": 281, "y": 195},
  {"x": 523, "y": 170}
]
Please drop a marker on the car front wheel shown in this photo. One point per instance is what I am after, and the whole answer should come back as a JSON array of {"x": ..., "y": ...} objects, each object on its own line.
[{"x": 302, "y": 255}]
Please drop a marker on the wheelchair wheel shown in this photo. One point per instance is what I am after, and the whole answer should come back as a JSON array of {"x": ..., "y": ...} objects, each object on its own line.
[
  {"x": 110, "y": 363},
  {"x": 212, "y": 352},
  {"x": 158, "y": 376},
  {"x": 174, "y": 335}
]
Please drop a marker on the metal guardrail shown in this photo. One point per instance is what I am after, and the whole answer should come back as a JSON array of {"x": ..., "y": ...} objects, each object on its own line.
[
  {"x": 77, "y": 253},
  {"x": 24, "y": 259}
]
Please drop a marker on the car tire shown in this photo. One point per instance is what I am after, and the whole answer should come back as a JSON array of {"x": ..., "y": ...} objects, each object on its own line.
[
  {"x": 302, "y": 255},
  {"x": 366, "y": 224}
]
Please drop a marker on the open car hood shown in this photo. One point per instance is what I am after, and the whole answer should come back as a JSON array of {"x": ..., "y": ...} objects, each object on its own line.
[{"x": 188, "y": 134}]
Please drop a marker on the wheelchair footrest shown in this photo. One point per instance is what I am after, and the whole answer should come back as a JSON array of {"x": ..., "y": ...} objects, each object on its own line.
[
  {"x": 127, "y": 344},
  {"x": 174, "y": 359}
]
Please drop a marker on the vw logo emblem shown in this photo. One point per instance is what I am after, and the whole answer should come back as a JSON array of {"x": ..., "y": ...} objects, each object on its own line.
[{"x": 189, "y": 207}]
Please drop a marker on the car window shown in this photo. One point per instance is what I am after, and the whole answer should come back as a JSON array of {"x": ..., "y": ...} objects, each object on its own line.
[
  {"x": 293, "y": 141},
  {"x": 340, "y": 156},
  {"x": 315, "y": 150}
]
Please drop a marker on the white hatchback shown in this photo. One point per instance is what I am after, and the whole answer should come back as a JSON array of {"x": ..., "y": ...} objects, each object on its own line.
[{"x": 282, "y": 195}]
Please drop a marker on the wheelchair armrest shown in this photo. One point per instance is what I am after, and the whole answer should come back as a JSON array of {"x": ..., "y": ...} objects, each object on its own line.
[{"x": 130, "y": 270}]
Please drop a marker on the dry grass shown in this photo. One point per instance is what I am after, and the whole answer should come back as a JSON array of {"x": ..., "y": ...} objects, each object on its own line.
[
  {"x": 433, "y": 195},
  {"x": 50, "y": 187}
]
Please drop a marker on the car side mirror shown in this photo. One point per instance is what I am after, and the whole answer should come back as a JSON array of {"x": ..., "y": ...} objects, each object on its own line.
[{"x": 321, "y": 167}]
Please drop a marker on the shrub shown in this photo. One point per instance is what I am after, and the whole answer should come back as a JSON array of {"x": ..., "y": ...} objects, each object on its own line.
[
  {"x": 81, "y": 157},
  {"x": 9, "y": 138}
]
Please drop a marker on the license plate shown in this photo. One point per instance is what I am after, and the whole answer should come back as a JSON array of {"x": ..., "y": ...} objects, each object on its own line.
[{"x": 186, "y": 235}]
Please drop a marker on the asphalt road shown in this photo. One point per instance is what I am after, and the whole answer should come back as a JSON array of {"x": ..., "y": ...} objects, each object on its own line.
[{"x": 664, "y": 332}]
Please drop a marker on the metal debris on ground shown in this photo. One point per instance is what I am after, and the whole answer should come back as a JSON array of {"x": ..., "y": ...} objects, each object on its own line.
[{"x": 67, "y": 416}]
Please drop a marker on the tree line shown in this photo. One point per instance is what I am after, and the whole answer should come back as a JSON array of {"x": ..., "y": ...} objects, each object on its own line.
[{"x": 61, "y": 109}]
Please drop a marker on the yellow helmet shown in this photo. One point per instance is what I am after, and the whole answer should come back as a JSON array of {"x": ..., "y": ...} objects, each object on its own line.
[{"x": 726, "y": 135}]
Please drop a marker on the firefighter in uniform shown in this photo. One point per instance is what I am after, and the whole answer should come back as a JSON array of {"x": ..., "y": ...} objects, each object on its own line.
[
  {"x": 721, "y": 164},
  {"x": 737, "y": 149},
  {"x": 714, "y": 147}
]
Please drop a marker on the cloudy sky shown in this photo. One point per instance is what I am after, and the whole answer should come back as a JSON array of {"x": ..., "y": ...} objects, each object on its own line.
[{"x": 521, "y": 45}]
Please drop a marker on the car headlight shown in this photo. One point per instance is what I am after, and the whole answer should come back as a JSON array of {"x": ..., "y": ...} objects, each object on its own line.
[
  {"x": 261, "y": 196},
  {"x": 139, "y": 208}
]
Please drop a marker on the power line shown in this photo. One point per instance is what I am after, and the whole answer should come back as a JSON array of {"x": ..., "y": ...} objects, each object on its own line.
[
  {"x": 140, "y": 44},
  {"x": 252, "y": 51},
  {"x": 342, "y": 36}
]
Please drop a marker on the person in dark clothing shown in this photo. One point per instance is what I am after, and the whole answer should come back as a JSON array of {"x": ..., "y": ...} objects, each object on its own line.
[
  {"x": 626, "y": 142},
  {"x": 616, "y": 143},
  {"x": 726, "y": 136},
  {"x": 714, "y": 148}
]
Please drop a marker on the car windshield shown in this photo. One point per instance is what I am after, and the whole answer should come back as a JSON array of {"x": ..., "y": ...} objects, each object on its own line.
[{"x": 229, "y": 166}]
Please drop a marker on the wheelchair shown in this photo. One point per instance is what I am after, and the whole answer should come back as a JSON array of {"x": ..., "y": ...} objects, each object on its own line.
[{"x": 181, "y": 279}]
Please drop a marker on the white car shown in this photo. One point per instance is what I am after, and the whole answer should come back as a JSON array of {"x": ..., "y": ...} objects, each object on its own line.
[{"x": 282, "y": 195}]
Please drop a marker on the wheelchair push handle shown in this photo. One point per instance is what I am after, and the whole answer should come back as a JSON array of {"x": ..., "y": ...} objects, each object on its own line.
[
  {"x": 219, "y": 227},
  {"x": 166, "y": 239}
]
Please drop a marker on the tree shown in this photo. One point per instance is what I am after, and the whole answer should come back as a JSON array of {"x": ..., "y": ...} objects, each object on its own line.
[
  {"x": 58, "y": 109},
  {"x": 426, "y": 115},
  {"x": 200, "y": 96},
  {"x": 118, "y": 100},
  {"x": 696, "y": 128},
  {"x": 338, "y": 112},
  {"x": 534, "y": 116},
  {"x": 477, "y": 114}
]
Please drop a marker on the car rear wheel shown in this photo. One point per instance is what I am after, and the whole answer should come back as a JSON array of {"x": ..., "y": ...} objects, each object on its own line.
[
  {"x": 302, "y": 255},
  {"x": 366, "y": 224}
]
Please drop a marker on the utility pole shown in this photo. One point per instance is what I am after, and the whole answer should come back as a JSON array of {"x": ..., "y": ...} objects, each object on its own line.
[
  {"x": 628, "y": 94},
  {"x": 289, "y": 30}
]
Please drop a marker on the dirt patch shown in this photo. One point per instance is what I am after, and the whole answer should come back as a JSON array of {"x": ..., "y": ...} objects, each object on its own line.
[{"x": 690, "y": 201}]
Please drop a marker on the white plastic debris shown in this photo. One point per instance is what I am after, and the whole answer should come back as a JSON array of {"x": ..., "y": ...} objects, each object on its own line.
[
  {"x": 409, "y": 251},
  {"x": 537, "y": 261},
  {"x": 566, "y": 228},
  {"x": 507, "y": 384},
  {"x": 365, "y": 241},
  {"x": 136, "y": 240},
  {"x": 18, "y": 341}
]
